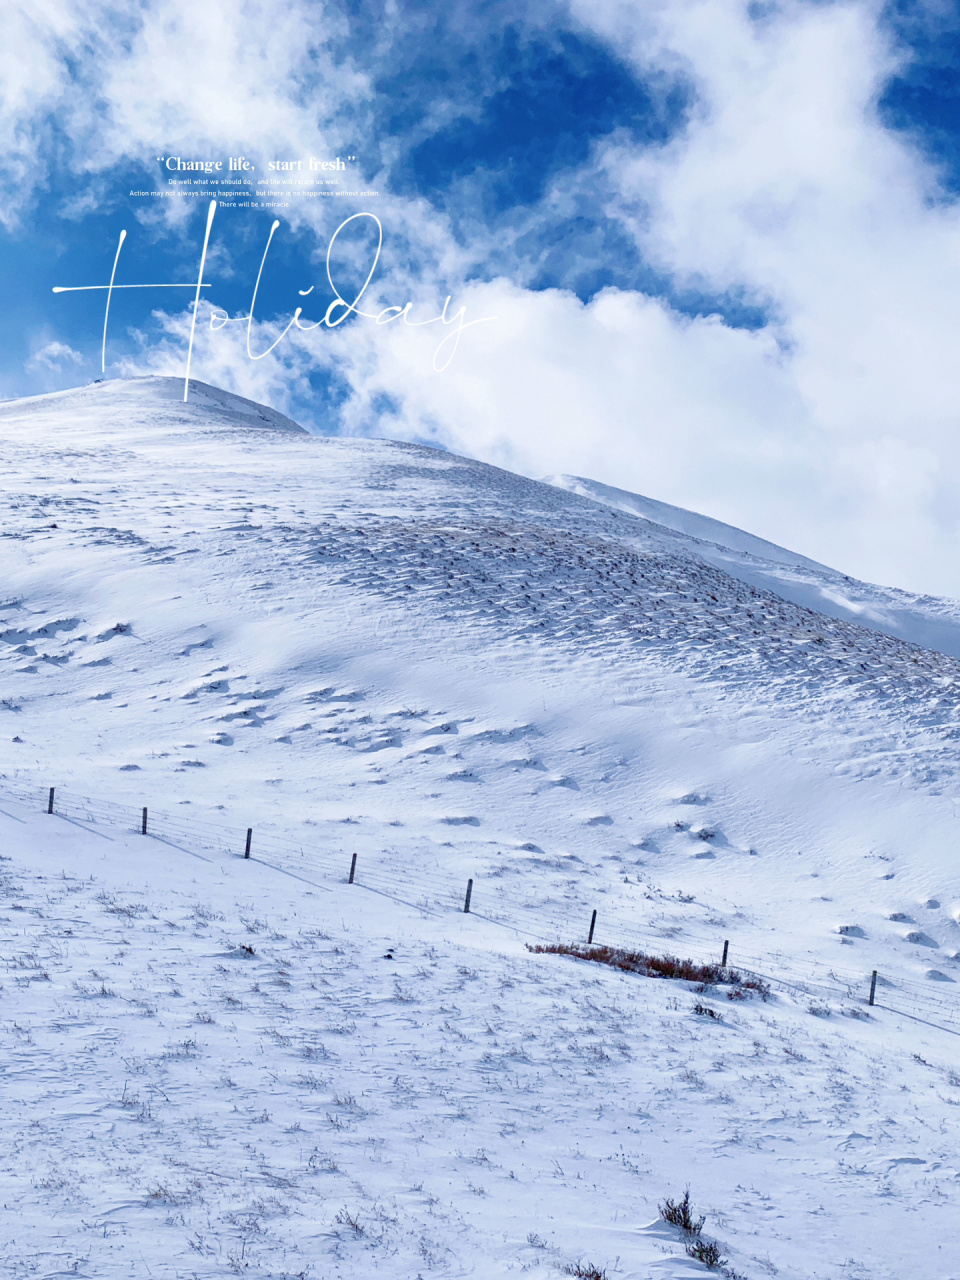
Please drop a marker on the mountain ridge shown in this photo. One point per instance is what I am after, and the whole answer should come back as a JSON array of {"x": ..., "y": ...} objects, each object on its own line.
[{"x": 929, "y": 621}]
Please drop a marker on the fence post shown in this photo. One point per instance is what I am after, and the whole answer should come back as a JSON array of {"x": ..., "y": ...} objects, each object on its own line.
[
  {"x": 873, "y": 987},
  {"x": 726, "y": 949},
  {"x": 143, "y": 824},
  {"x": 249, "y": 838},
  {"x": 466, "y": 901},
  {"x": 593, "y": 925},
  {"x": 353, "y": 868},
  {"x": 50, "y": 802}
]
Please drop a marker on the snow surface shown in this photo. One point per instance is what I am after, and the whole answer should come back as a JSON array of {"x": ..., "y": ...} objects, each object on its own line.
[
  {"x": 925, "y": 620},
  {"x": 360, "y": 647}
]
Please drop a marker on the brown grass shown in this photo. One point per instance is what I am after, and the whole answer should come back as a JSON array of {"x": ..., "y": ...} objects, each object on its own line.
[{"x": 656, "y": 966}]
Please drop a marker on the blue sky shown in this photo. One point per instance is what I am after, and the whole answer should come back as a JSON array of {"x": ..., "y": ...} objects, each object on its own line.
[
  {"x": 479, "y": 120},
  {"x": 923, "y": 100},
  {"x": 477, "y": 123},
  {"x": 720, "y": 226}
]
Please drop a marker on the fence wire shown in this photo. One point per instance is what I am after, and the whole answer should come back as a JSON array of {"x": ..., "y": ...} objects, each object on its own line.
[{"x": 537, "y": 915}]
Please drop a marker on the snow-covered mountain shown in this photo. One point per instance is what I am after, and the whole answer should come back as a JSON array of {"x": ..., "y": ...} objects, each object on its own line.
[
  {"x": 578, "y": 698},
  {"x": 925, "y": 620}
]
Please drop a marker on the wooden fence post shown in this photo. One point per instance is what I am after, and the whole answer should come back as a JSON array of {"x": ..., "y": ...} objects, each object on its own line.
[
  {"x": 466, "y": 901},
  {"x": 593, "y": 925},
  {"x": 249, "y": 838},
  {"x": 726, "y": 950},
  {"x": 50, "y": 802},
  {"x": 873, "y": 987},
  {"x": 143, "y": 824},
  {"x": 353, "y": 868}
]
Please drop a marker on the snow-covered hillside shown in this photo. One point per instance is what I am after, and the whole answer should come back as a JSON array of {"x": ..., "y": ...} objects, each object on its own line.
[
  {"x": 925, "y": 620},
  {"x": 361, "y": 647}
]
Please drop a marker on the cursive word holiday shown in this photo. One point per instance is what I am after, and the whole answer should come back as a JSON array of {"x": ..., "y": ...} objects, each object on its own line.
[{"x": 339, "y": 310}]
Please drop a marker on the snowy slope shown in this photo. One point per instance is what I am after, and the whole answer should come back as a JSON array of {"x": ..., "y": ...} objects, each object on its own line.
[
  {"x": 924, "y": 620},
  {"x": 209, "y": 1070},
  {"x": 695, "y": 526},
  {"x": 356, "y": 646}
]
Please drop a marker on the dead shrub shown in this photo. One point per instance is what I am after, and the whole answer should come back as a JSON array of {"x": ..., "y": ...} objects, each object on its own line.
[
  {"x": 706, "y": 1251},
  {"x": 679, "y": 1214}
]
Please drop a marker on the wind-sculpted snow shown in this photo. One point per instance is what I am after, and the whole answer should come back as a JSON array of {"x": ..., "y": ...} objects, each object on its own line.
[
  {"x": 622, "y": 590},
  {"x": 924, "y": 620},
  {"x": 359, "y": 648},
  {"x": 183, "y": 584}
]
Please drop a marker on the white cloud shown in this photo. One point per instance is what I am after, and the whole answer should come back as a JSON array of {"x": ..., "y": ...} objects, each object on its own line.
[
  {"x": 53, "y": 356},
  {"x": 787, "y": 185},
  {"x": 240, "y": 70},
  {"x": 621, "y": 389},
  {"x": 219, "y": 358},
  {"x": 118, "y": 82},
  {"x": 834, "y": 430}
]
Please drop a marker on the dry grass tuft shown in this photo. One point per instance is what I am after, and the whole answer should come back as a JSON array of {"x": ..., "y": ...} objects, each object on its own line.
[
  {"x": 584, "y": 1270},
  {"x": 657, "y": 966}
]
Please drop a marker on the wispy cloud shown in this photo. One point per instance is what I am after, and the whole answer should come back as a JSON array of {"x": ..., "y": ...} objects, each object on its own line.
[
  {"x": 719, "y": 276},
  {"x": 54, "y": 357}
]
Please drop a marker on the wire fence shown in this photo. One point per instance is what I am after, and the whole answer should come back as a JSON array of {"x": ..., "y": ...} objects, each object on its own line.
[{"x": 538, "y": 914}]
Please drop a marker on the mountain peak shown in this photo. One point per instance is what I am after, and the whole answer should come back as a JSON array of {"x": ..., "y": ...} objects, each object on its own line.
[{"x": 101, "y": 397}]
